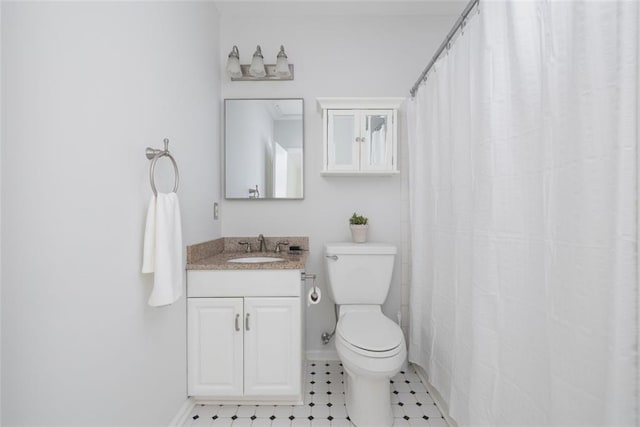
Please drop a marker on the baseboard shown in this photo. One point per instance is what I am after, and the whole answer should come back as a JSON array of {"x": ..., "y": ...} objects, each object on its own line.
[
  {"x": 435, "y": 395},
  {"x": 322, "y": 355},
  {"x": 183, "y": 413}
]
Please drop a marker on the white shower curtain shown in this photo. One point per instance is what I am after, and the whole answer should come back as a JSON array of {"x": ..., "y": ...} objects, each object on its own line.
[{"x": 523, "y": 209}]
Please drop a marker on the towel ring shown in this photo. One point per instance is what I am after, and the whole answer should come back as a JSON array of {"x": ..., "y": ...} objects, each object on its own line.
[{"x": 154, "y": 154}]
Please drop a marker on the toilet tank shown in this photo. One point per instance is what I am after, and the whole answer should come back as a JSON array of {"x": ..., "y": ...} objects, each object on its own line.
[{"x": 359, "y": 273}]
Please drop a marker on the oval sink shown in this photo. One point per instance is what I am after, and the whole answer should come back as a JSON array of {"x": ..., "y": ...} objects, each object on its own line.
[{"x": 255, "y": 260}]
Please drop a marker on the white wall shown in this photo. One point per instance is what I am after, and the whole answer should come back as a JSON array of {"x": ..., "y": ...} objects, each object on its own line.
[
  {"x": 1, "y": 139},
  {"x": 287, "y": 132},
  {"x": 85, "y": 88},
  {"x": 355, "y": 55}
]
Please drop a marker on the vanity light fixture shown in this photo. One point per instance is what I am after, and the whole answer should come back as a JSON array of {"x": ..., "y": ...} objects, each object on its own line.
[{"x": 258, "y": 70}]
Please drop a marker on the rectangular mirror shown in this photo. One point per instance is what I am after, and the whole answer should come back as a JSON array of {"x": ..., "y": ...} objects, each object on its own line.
[{"x": 263, "y": 148}]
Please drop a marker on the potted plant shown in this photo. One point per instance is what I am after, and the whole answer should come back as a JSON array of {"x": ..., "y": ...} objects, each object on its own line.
[{"x": 359, "y": 227}]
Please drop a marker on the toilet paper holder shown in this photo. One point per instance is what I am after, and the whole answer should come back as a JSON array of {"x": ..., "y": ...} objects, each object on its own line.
[{"x": 307, "y": 276}]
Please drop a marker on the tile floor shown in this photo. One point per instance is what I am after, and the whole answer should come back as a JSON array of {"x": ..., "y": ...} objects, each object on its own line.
[{"x": 324, "y": 404}]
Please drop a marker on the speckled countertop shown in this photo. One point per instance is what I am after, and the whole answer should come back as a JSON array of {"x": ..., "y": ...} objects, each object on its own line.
[{"x": 215, "y": 254}]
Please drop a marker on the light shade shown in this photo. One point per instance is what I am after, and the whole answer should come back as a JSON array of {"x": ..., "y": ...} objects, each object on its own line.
[
  {"x": 257, "y": 64},
  {"x": 233, "y": 63},
  {"x": 282, "y": 64}
]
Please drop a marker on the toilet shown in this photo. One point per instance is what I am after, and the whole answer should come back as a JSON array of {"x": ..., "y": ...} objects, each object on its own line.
[{"x": 370, "y": 346}]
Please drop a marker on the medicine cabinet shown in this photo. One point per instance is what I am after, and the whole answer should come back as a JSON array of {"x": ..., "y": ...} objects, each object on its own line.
[
  {"x": 360, "y": 136},
  {"x": 244, "y": 336}
]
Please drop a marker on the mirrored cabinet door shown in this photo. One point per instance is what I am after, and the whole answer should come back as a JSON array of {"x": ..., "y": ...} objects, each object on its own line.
[
  {"x": 343, "y": 137},
  {"x": 376, "y": 144}
]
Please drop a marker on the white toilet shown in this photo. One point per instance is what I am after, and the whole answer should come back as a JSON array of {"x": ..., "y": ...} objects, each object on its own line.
[{"x": 371, "y": 347}]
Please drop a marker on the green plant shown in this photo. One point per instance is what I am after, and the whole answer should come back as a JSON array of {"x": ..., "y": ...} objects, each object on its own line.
[{"x": 358, "y": 219}]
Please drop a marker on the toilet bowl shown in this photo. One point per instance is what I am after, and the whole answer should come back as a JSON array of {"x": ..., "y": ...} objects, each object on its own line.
[
  {"x": 370, "y": 345},
  {"x": 372, "y": 349}
]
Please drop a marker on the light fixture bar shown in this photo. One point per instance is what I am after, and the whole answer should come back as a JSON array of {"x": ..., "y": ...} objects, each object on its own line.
[{"x": 270, "y": 70}]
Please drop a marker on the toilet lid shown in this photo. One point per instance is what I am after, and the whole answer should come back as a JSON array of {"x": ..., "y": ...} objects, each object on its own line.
[{"x": 370, "y": 331}]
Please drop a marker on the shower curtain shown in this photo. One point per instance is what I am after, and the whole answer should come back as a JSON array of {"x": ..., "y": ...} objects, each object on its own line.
[{"x": 523, "y": 208}]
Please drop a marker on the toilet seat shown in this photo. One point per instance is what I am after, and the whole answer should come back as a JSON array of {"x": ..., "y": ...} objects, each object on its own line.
[{"x": 370, "y": 334}]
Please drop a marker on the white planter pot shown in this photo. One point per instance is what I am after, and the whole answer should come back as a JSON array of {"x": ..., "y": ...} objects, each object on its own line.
[{"x": 359, "y": 232}]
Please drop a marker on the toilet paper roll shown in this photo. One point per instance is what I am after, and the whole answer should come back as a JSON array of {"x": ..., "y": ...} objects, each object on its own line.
[{"x": 313, "y": 296}]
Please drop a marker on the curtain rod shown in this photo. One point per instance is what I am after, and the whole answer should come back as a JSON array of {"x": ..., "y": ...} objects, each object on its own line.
[{"x": 467, "y": 10}]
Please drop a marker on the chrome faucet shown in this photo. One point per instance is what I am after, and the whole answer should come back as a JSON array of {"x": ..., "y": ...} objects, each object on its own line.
[{"x": 263, "y": 246}]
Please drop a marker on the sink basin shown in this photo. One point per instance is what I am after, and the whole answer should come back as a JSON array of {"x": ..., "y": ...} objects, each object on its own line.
[{"x": 255, "y": 260}]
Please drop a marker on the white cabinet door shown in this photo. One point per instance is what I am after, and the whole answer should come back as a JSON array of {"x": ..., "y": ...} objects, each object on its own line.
[
  {"x": 343, "y": 140},
  {"x": 215, "y": 346},
  {"x": 272, "y": 364},
  {"x": 361, "y": 142},
  {"x": 376, "y": 153}
]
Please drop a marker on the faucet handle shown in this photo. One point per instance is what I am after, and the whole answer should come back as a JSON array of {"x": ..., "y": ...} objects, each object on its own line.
[
  {"x": 248, "y": 244},
  {"x": 277, "y": 249}
]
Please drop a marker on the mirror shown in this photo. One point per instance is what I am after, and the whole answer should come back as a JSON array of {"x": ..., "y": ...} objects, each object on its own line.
[
  {"x": 376, "y": 137},
  {"x": 263, "y": 148}
]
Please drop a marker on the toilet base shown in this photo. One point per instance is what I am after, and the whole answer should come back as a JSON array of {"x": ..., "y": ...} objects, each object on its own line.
[{"x": 368, "y": 400}]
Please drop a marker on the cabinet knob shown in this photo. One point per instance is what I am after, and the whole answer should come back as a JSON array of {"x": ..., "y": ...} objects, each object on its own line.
[
  {"x": 246, "y": 322},
  {"x": 237, "y": 322}
]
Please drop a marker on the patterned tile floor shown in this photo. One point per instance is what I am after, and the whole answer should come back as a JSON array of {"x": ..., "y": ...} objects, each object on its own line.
[{"x": 324, "y": 404}]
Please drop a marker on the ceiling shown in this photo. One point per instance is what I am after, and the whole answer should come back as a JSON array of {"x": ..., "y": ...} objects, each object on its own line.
[
  {"x": 341, "y": 7},
  {"x": 285, "y": 109}
]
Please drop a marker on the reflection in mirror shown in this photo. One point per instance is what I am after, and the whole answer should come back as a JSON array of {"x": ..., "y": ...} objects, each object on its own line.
[
  {"x": 377, "y": 137},
  {"x": 264, "y": 149}
]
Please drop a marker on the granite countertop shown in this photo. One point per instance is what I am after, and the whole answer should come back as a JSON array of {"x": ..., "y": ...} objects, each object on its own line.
[{"x": 215, "y": 254}]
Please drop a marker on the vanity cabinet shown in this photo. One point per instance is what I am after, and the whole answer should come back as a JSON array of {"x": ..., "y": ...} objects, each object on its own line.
[
  {"x": 360, "y": 136},
  {"x": 244, "y": 334}
]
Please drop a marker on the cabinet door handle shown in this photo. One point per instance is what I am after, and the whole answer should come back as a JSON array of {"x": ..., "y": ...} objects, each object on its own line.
[
  {"x": 237, "y": 322},
  {"x": 246, "y": 322}
]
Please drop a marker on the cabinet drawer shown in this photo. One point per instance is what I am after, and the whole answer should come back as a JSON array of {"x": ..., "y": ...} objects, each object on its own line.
[{"x": 243, "y": 283}]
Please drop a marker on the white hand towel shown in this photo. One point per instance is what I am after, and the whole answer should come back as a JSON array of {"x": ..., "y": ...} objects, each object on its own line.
[
  {"x": 148, "y": 253},
  {"x": 162, "y": 253}
]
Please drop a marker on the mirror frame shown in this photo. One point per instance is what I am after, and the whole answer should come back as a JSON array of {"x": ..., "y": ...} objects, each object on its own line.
[{"x": 224, "y": 151}]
